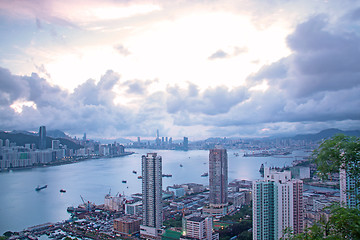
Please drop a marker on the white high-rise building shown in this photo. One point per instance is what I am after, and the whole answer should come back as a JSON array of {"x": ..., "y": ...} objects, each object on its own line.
[
  {"x": 348, "y": 191},
  {"x": 277, "y": 205},
  {"x": 199, "y": 227},
  {"x": 152, "y": 196}
]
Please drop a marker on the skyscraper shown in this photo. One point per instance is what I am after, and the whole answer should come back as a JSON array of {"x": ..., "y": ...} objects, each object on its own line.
[
  {"x": 218, "y": 176},
  {"x": 277, "y": 205},
  {"x": 186, "y": 144},
  {"x": 152, "y": 196},
  {"x": 218, "y": 183},
  {"x": 42, "y": 136}
]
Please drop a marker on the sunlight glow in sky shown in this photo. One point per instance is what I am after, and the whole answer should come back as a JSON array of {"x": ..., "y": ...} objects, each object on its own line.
[{"x": 210, "y": 68}]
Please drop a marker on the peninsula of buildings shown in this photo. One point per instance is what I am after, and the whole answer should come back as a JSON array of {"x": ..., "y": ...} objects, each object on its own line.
[{"x": 23, "y": 150}]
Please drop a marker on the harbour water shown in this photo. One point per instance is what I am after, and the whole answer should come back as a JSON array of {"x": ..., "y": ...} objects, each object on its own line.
[{"x": 21, "y": 206}]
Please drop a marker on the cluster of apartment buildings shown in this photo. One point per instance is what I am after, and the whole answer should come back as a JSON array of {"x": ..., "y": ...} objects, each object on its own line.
[
  {"x": 12, "y": 156},
  {"x": 279, "y": 200}
]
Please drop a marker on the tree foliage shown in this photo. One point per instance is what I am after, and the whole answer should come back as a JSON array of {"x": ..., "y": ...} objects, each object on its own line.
[
  {"x": 339, "y": 152},
  {"x": 344, "y": 223}
]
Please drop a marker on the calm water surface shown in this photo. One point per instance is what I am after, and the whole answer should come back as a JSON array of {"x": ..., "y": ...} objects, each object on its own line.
[{"x": 21, "y": 206}]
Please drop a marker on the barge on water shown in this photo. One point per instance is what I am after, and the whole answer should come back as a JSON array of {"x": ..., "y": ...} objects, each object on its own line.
[{"x": 38, "y": 188}]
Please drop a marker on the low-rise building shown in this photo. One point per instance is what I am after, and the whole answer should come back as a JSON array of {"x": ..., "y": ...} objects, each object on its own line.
[
  {"x": 198, "y": 227},
  {"x": 127, "y": 225}
]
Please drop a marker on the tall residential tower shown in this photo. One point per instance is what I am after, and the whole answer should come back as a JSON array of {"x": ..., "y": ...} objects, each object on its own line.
[
  {"x": 277, "y": 205},
  {"x": 42, "y": 136},
  {"x": 218, "y": 183},
  {"x": 152, "y": 196}
]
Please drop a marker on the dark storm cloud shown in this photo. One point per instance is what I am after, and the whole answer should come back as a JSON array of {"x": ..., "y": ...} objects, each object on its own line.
[
  {"x": 11, "y": 87},
  {"x": 322, "y": 60},
  {"x": 353, "y": 15},
  {"x": 90, "y": 107}
]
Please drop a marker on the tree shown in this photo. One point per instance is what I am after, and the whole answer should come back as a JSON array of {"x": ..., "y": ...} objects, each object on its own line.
[
  {"x": 344, "y": 223},
  {"x": 339, "y": 152}
]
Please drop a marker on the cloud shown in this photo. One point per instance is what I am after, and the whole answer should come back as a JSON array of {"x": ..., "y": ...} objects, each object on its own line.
[
  {"x": 42, "y": 69},
  {"x": 137, "y": 86},
  {"x": 322, "y": 61},
  {"x": 122, "y": 50},
  {"x": 212, "y": 101},
  {"x": 219, "y": 54},
  {"x": 353, "y": 15}
]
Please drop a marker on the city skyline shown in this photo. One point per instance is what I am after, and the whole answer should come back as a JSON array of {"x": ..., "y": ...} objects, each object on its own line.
[{"x": 212, "y": 68}]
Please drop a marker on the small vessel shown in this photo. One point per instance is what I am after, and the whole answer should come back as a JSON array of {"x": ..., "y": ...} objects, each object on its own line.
[
  {"x": 166, "y": 175},
  {"x": 134, "y": 172},
  {"x": 71, "y": 209},
  {"x": 139, "y": 177},
  {"x": 123, "y": 181},
  {"x": 62, "y": 190},
  {"x": 205, "y": 174},
  {"x": 181, "y": 165},
  {"x": 38, "y": 188}
]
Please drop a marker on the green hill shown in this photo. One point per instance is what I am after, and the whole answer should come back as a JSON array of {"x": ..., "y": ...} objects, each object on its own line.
[{"x": 21, "y": 139}]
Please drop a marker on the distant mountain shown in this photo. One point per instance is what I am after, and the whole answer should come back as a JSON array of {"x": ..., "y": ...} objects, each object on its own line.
[
  {"x": 24, "y": 132},
  {"x": 56, "y": 134},
  {"x": 23, "y": 138},
  {"x": 327, "y": 133},
  {"x": 118, "y": 140}
]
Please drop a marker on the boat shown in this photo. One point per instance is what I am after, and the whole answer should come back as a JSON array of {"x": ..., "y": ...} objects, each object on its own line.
[
  {"x": 236, "y": 154},
  {"x": 181, "y": 165},
  {"x": 139, "y": 177},
  {"x": 62, "y": 190},
  {"x": 123, "y": 181},
  {"x": 38, "y": 188},
  {"x": 205, "y": 174},
  {"x": 134, "y": 172},
  {"x": 166, "y": 175},
  {"x": 71, "y": 209}
]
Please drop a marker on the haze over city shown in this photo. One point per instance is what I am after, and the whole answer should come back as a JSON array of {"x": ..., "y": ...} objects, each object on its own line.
[{"x": 197, "y": 69}]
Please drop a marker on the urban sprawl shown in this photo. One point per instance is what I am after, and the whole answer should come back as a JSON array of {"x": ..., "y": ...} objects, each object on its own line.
[{"x": 265, "y": 207}]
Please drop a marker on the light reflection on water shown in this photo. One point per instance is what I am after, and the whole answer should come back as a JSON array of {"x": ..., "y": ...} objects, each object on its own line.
[{"x": 21, "y": 206}]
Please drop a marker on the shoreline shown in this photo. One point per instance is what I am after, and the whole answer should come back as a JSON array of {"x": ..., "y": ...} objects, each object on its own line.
[{"x": 62, "y": 162}]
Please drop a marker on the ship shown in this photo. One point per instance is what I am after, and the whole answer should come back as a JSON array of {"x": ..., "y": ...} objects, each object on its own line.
[
  {"x": 259, "y": 154},
  {"x": 205, "y": 174},
  {"x": 38, "y": 188},
  {"x": 62, "y": 190}
]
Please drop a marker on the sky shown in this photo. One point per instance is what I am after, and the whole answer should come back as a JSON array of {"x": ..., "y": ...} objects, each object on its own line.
[{"x": 207, "y": 68}]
